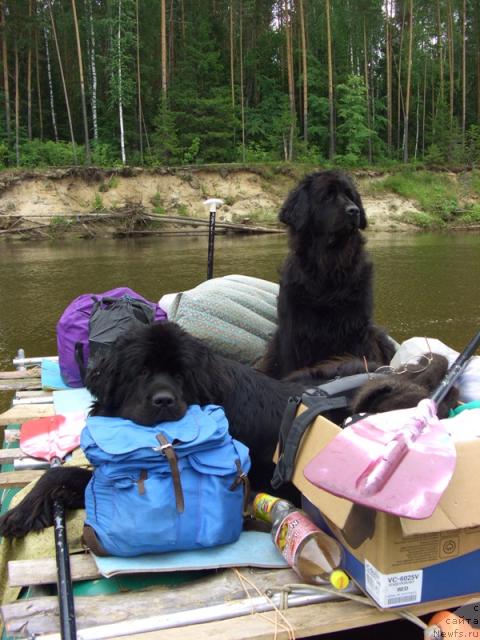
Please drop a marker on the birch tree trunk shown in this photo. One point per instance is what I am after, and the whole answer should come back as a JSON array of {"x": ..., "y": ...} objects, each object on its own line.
[
  {"x": 50, "y": 85},
  {"x": 291, "y": 83},
  {"x": 304, "y": 72},
  {"x": 62, "y": 75},
  {"x": 388, "y": 56},
  {"x": 399, "y": 81},
  {"x": 242, "y": 99},
  {"x": 464, "y": 71},
  {"x": 93, "y": 71},
  {"x": 451, "y": 58},
  {"x": 139, "y": 85},
  {"x": 6, "y": 87},
  {"x": 417, "y": 123},
  {"x": 120, "y": 88},
  {"x": 367, "y": 87},
  {"x": 163, "y": 38},
  {"x": 39, "y": 89},
  {"x": 17, "y": 104},
  {"x": 409, "y": 81},
  {"x": 331, "y": 149},
  {"x": 232, "y": 59},
  {"x": 29, "y": 73},
  {"x": 440, "y": 52},
  {"x": 82, "y": 84}
]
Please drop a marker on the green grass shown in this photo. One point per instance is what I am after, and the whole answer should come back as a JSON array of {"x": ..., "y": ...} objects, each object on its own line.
[
  {"x": 471, "y": 216},
  {"x": 182, "y": 210},
  {"x": 438, "y": 195},
  {"x": 434, "y": 192},
  {"x": 157, "y": 203},
  {"x": 98, "y": 203}
]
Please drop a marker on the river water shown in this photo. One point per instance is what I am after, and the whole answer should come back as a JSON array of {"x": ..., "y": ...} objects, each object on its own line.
[{"x": 425, "y": 284}]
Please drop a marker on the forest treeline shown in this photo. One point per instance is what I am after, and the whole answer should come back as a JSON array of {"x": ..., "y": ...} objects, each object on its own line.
[{"x": 162, "y": 82}]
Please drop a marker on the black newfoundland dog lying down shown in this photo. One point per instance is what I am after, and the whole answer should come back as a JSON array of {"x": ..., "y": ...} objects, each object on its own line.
[
  {"x": 325, "y": 302},
  {"x": 152, "y": 375}
]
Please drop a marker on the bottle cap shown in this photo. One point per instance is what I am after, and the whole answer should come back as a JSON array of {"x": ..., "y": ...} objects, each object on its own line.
[{"x": 339, "y": 579}]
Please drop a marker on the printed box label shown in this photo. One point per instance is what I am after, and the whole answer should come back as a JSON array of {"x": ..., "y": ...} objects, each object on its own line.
[{"x": 393, "y": 589}]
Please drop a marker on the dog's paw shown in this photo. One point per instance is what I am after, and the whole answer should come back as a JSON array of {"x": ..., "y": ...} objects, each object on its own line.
[
  {"x": 35, "y": 511},
  {"x": 22, "y": 519}
]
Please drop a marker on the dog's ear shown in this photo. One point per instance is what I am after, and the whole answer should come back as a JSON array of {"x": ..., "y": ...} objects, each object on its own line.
[
  {"x": 387, "y": 394},
  {"x": 363, "y": 217},
  {"x": 100, "y": 380},
  {"x": 296, "y": 208}
]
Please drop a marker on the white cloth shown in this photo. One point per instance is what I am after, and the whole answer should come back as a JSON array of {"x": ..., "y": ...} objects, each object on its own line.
[{"x": 468, "y": 383}]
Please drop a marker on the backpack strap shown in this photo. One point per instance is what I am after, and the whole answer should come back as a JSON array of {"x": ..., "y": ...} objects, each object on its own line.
[
  {"x": 242, "y": 478},
  {"x": 166, "y": 448},
  {"x": 80, "y": 360},
  {"x": 90, "y": 540},
  {"x": 292, "y": 429},
  {"x": 335, "y": 394}
]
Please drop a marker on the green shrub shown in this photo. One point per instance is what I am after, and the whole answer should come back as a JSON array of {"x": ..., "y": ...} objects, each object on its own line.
[
  {"x": 421, "y": 219},
  {"x": 98, "y": 203},
  {"x": 435, "y": 193},
  {"x": 104, "y": 155},
  {"x": 472, "y": 216}
]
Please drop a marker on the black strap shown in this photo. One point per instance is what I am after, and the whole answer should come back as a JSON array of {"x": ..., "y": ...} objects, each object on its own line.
[
  {"x": 80, "y": 359},
  {"x": 292, "y": 430}
]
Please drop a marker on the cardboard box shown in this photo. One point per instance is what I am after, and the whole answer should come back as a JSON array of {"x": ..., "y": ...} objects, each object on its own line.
[{"x": 399, "y": 561}]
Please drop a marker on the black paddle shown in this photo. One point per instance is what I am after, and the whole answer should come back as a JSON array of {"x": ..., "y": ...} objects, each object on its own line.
[{"x": 51, "y": 439}]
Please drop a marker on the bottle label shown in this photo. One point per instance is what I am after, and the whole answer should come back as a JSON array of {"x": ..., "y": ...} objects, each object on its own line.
[
  {"x": 263, "y": 504},
  {"x": 291, "y": 533}
]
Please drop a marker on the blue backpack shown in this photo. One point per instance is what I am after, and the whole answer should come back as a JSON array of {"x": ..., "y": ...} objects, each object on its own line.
[{"x": 174, "y": 486}]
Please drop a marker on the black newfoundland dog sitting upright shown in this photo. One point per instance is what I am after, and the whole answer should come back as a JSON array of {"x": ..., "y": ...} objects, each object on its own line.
[
  {"x": 325, "y": 301},
  {"x": 152, "y": 374}
]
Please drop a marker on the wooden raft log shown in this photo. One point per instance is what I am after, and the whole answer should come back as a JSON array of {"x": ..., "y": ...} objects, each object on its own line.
[
  {"x": 307, "y": 621},
  {"x": 18, "y": 479},
  {"x": 34, "y": 372},
  {"x": 24, "y": 573},
  {"x": 20, "y": 413},
  {"x": 7, "y": 456},
  {"x": 40, "y": 615},
  {"x": 20, "y": 384}
]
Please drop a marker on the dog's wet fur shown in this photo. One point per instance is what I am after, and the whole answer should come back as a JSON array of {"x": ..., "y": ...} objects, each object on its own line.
[
  {"x": 152, "y": 374},
  {"x": 325, "y": 301}
]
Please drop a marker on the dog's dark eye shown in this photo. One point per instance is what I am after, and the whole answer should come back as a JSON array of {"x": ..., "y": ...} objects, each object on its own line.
[{"x": 331, "y": 193}]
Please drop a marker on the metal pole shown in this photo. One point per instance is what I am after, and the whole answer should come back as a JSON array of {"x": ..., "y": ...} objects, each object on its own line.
[{"x": 213, "y": 203}]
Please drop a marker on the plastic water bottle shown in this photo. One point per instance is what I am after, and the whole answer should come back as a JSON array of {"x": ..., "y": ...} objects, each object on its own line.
[{"x": 312, "y": 554}]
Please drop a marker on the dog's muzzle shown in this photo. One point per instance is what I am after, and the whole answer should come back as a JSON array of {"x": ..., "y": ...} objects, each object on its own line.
[{"x": 353, "y": 213}]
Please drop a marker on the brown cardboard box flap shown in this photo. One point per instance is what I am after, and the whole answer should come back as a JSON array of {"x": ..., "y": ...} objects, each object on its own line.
[{"x": 459, "y": 507}]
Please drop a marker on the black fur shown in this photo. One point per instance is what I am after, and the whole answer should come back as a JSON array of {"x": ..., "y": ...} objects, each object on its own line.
[
  {"x": 405, "y": 390},
  {"x": 325, "y": 300},
  {"x": 152, "y": 375}
]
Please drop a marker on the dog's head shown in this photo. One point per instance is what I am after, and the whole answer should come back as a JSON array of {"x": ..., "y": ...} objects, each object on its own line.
[
  {"x": 151, "y": 375},
  {"x": 325, "y": 203}
]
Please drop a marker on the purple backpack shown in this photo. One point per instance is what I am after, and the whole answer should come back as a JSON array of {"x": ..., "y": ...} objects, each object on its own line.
[{"x": 91, "y": 322}]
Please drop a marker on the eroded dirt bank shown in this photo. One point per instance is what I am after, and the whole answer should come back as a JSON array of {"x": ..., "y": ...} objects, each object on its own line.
[{"x": 54, "y": 200}]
